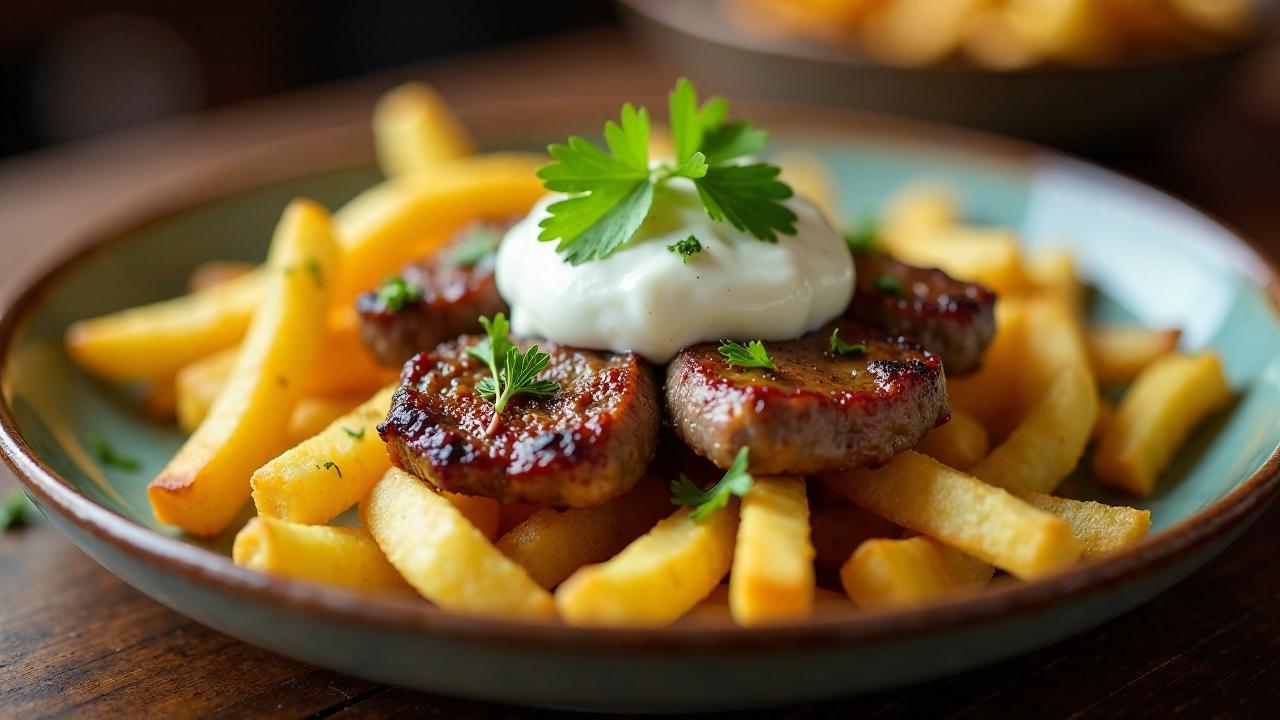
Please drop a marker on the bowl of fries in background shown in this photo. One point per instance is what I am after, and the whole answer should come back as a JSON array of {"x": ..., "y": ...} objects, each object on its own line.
[
  {"x": 1120, "y": 433},
  {"x": 1073, "y": 72}
]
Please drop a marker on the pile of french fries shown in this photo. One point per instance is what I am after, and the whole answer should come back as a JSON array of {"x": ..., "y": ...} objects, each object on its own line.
[
  {"x": 1005, "y": 34},
  {"x": 264, "y": 367}
]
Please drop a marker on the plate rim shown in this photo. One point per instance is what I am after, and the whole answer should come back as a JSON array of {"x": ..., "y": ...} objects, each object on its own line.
[{"x": 347, "y": 146}]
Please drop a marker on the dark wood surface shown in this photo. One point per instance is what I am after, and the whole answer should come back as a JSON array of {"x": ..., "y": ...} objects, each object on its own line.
[{"x": 74, "y": 640}]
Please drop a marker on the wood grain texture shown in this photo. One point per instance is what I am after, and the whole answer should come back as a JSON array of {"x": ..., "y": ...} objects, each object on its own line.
[{"x": 75, "y": 641}]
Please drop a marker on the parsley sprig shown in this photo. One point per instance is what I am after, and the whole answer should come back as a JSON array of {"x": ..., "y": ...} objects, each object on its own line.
[
  {"x": 109, "y": 456},
  {"x": 479, "y": 243},
  {"x": 751, "y": 355},
  {"x": 13, "y": 513},
  {"x": 396, "y": 294},
  {"x": 611, "y": 193},
  {"x": 511, "y": 371},
  {"x": 686, "y": 248},
  {"x": 841, "y": 347},
  {"x": 736, "y": 481}
]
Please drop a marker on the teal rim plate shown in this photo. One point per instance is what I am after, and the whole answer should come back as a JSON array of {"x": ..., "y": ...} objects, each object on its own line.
[{"x": 1154, "y": 261}]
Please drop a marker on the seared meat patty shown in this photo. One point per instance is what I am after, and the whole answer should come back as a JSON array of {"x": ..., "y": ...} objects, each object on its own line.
[
  {"x": 953, "y": 320},
  {"x": 818, "y": 411},
  {"x": 584, "y": 445},
  {"x": 446, "y": 293}
]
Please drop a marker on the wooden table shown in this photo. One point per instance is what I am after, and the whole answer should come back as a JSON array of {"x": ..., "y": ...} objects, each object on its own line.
[{"x": 74, "y": 640}]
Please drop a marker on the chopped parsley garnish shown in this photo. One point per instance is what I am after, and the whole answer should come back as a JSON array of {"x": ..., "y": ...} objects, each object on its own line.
[
  {"x": 108, "y": 455},
  {"x": 354, "y": 434},
  {"x": 396, "y": 294},
  {"x": 313, "y": 266},
  {"x": 511, "y": 372},
  {"x": 751, "y": 355},
  {"x": 14, "y": 511},
  {"x": 687, "y": 248},
  {"x": 841, "y": 347},
  {"x": 862, "y": 237},
  {"x": 479, "y": 243},
  {"x": 736, "y": 481},
  {"x": 891, "y": 285},
  {"x": 331, "y": 465},
  {"x": 611, "y": 193}
]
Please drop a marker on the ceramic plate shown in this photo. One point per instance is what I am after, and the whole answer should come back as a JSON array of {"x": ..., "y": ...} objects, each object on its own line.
[{"x": 1153, "y": 259}]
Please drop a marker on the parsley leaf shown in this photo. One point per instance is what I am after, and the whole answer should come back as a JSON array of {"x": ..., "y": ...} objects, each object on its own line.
[
  {"x": 353, "y": 434},
  {"x": 107, "y": 455},
  {"x": 862, "y": 237},
  {"x": 616, "y": 191},
  {"x": 396, "y": 294},
  {"x": 331, "y": 465},
  {"x": 751, "y": 355},
  {"x": 14, "y": 511},
  {"x": 736, "y": 481},
  {"x": 747, "y": 196},
  {"x": 841, "y": 347},
  {"x": 479, "y": 243},
  {"x": 733, "y": 140},
  {"x": 890, "y": 284},
  {"x": 511, "y": 371},
  {"x": 686, "y": 248}
]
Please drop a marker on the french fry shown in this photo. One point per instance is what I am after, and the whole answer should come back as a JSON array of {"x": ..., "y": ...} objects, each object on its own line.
[
  {"x": 404, "y": 218},
  {"x": 1053, "y": 272},
  {"x": 920, "y": 209},
  {"x": 378, "y": 232},
  {"x": 1046, "y": 447},
  {"x": 216, "y": 272},
  {"x": 1118, "y": 354},
  {"x": 917, "y": 32},
  {"x": 772, "y": 578},
  {"x": 988, "y": 256},
  {"x": 198, "y": 385},
  {"x": 919, "y": 493},
  {"x": 1068, "y": 30},
  {"x": 960, "y": 443},
  {"x": 883, "y": 574},
  {"x": 511, "y": 515},
  {"x": 414, "y": 128},
  {"x": 993, "y": 40},
  {"x": 482, "y": 512},
  {"x": 206, "y": 483},
  {"x": 333, "y": 555},
  {"x": 1166, "y": 401},
  {"x": 1054, "y": 341},
  {"x": 988, "y": 395},
  {"x": 317, "y": 480},
  {"x": 312, "y": 414},
  {"x": 444, "y": 557},
  {"x": 837, "y": 527},
  {"x": 1106, "y": 416},
  {"x": 551, "y": 545},
  {"x": 1101, "y": 529},
  {"x": 157, "y": 340},
  {"x": 658, "y": 577},
  {"x": 809, "y": 177}
]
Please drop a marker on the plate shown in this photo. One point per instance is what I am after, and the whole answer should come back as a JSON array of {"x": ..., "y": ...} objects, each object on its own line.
[{"x": 1153, "y": 259}]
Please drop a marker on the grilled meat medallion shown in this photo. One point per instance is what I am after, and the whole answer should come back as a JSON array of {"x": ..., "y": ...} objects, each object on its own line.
[
  {"x": 818, "y": 411},
  {"x": 954, "y": 320},
  {"x": 585, "y": 445},
  {"x": 450, "y": 295}
]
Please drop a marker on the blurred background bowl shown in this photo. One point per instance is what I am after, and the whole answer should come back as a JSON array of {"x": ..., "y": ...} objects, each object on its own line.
[{"x": 1055, "y": 103}]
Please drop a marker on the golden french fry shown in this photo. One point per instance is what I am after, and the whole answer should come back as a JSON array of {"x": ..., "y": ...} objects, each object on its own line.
[
  {"x": 510, "y": 516},
  {"x": 551, "y": 545},
  {"x": 446, "y": 558},
  {"x": 809, "y": 178},
  {"x": 993, "y": 40},
  {"x": 960, "y": 443},
  {"x": 206, "y": 483},
  {"x": 1166, "y": 401},
  {"x": 482, "y": 512},
  {"x": 837, "y": 527},
  {"x": 772, "y": 578},
  {"x": 198, "y": 385},
  {"x": 922, "y": 494},
  {"x": 917, "y": 32},
  {"x": 1101, "y": 529},
  {"x": 1118, "y": 354},
  {"x": 216, "y": 272},
  {"x": 1068, "y": 30},
  {"x": 886, "y": 573},
  {"x": 919, "y": 209},
  {"x": 157, "y": 340},
  {"x": 320, "y": 478},
  {"x": 414, "y": 128},
  {"x": 988, "y": 394},
  {"x": 987, "y": 256},
  {"x": 402, "y": 219},
  {"x": 334, "y": 555},
  {"x": 1046, "y": 447},
  {"x": 312, "y": 414},
  {"x": 1053, "y": 272},
  {"x": 657, "y": 578},
  {"x": 378, "y": 232}
]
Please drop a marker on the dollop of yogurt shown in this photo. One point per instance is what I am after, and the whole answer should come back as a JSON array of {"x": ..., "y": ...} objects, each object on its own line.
[{"x": 644, "y": 298}]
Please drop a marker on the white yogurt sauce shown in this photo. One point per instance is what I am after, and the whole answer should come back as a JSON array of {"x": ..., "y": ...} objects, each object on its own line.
[{"x": 643, "y": 298}]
